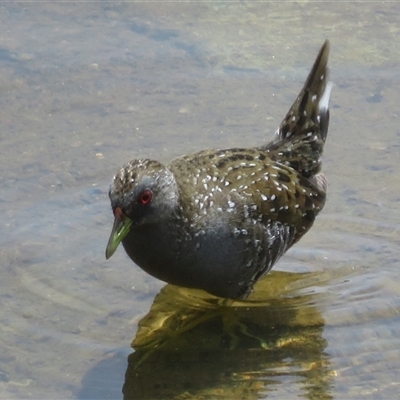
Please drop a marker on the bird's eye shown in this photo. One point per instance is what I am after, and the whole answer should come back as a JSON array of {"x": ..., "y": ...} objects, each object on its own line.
[{"x": 145, "y": 197}]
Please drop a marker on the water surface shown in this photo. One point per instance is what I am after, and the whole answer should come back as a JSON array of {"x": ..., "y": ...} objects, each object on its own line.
[{"x": 85, "y": 87}]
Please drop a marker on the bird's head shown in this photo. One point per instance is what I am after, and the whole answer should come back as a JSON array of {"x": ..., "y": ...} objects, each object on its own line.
[{"x": 142, "y": 192}]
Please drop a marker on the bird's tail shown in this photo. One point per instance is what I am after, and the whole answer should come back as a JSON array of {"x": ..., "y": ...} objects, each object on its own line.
[{"x": 300, "y": 139}]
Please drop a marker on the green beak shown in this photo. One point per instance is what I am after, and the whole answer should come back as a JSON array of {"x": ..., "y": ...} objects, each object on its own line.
[{"x": 120, "y": 229}]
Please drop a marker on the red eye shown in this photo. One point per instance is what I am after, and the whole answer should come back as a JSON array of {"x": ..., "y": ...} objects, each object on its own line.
[{"x": 145, "y": 197}]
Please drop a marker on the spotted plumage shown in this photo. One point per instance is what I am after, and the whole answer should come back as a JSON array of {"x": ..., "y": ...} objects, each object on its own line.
[{"x": 218, "y": 220}]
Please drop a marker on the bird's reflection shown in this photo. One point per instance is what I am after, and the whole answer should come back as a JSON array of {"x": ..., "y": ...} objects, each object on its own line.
[{"x": 193, "y": 345}]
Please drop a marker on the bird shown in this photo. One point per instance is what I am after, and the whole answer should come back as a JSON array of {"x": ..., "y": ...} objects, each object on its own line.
[{"x": 218, "y": 220}]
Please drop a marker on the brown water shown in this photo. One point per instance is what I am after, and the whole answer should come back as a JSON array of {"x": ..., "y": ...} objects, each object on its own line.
[{"x": 85, "y": 87}]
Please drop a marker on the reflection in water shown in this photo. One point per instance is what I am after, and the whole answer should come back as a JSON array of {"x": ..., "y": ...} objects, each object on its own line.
[{"x": 193, "y": 345}]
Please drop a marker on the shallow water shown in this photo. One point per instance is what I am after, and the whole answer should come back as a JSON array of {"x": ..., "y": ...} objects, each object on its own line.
[{"x": 85, "y": 87}]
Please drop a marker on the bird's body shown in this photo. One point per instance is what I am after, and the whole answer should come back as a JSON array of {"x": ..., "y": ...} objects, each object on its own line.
[{"x": 219, "y": 219}]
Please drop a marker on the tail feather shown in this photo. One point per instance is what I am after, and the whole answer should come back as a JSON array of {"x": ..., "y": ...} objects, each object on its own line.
[{"x": 300, "y": 139}]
